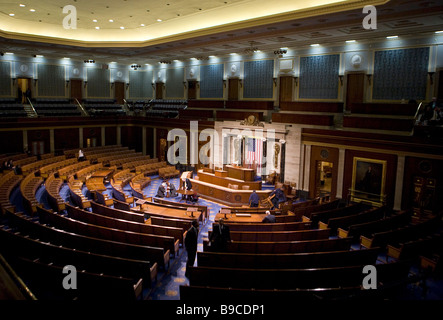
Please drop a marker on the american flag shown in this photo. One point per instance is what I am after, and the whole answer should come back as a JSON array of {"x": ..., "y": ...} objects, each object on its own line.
[{"x": 254, "y": 153}]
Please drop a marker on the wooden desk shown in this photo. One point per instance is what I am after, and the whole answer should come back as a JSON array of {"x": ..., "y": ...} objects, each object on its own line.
[
  {"x": 227, "y": 196},
  {"x": 153, "y": 210},
  {"x": 185, "y": 193},
  {"x": 240, "y": 173},
  {"x": 221, "y": 173},
  {"x": 253, "y": 218},
  {"x": 225, "y": 181}
]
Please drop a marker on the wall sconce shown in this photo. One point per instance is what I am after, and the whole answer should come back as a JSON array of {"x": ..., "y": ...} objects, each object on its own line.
[
  {"x": 296, "y": 81},
  {"x": 112, "y": 84},
  {"x": 127, "y": 86},
  {"x": 275, "y": 81},
  {"x": 197, "y": 84},
  {"x": 369, "y": 76},
  {"x": 341, "y": 79},
  {"x": 153, "y": 86},
  {"x": 35, "y": 81},
  {"x": 67, "y": 83},
  {"x": 13, "y": 81},
  {"x": 86, "y": 83},
  {"x": 431, "y": 74},
  {"x": 224, "y": 83},
  {"x": 184, "y": 84},
  {"x": 241, "y": 82}
]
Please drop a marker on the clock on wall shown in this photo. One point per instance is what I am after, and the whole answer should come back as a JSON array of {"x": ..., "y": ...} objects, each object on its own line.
[
  {"x": 356, "y": 60},
  {"x": 234, "y": 68},
  {"x": 24, "y": 68}
]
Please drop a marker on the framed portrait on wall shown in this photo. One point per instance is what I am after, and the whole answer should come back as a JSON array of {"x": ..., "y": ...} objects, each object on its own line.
[{"x": 368, "y": 180}]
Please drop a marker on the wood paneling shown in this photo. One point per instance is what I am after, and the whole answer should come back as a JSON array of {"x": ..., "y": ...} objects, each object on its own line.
[
  {"x": 253, "y": 105},
  {"x": 286, "y": 89},
  {"x": 119, "y": 92},
  {"x": 192, "y": 89},
  {"x": 334, "y": 107},
  {"x": 320, "y": 120},
  {"x": 355, "y": 88},
  {"x": 66, "y": 138},
  {"x": 233, "y": 89},
  {"x": 12, "y": 142},
  {"x": 384, "y": 108},
  {"x": 237, "y": 115},
  {"x": 150, "y": 142},
  {"x": 210, "y": 104},
  {"x": 77, "y": 89},
  {"x": 159, "y": 86},
  {"x": 131, "y": 136},
  {"x": 425, "y": 168},
  {"x": 378, "y": 123},
  {"x": 111, "y": 136}
]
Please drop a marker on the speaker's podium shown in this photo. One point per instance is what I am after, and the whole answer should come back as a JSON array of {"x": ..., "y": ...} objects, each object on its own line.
[{"x": 185, "y": 175}]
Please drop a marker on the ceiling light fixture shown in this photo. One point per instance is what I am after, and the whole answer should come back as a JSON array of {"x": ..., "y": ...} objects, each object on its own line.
[
  {"x": 136, "y": 66},
  {"x": 165, "y": 61},
  {"x": 97, "y": 28},
  {"x": 159, "y": 20},
  {"x": 89, "y": 61},
  {"x": 22, "y": 5},
  {"x": 12, "y": 14},
  {"x": 392, "y": 37},
  {"x": 281, "y": 51},
  {"x": 32, "y": 10},
  {"x": 441, "y": 31},
  {"x": 95, "y": 20},
  {"x": 350, "y": 41},
  {"x": 315, "y": 45},
  {"x": 110, "y": 20},
  {"x": 122, "y": 28}
]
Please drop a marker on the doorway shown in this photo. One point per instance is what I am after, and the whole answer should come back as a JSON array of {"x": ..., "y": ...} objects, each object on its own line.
[
  {"x": 76, "y": 89},
  {"x": 91, "y": 142},
  {"x": 119, "y": 92},
  {"x": 159, "y": 90},
  {"x": 233, "y": 90},
  {"x": 355, "y": 88},
  {"x": 192, "y": 89},
  {"x": 24, "y": 90},
  {"x": 323, "y": 178}
]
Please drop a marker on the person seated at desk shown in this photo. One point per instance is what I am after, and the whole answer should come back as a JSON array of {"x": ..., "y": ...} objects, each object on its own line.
[
  {"x": 254, "y": 199},
  {"x": 187, "y": 185},
  {"x": 161, "y": 192},
  {"x": 269, "y": 218},
  {"x": 172, "y": 189},
  {"x": 81, "y": 156},
  {"x": 194, "y": 197},
  {"x": 278, "y": 197},
  {"x": 220, "y": 236}
]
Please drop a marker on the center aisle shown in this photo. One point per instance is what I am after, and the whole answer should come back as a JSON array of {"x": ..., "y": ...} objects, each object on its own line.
[{"x": 167, "y": 286}]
